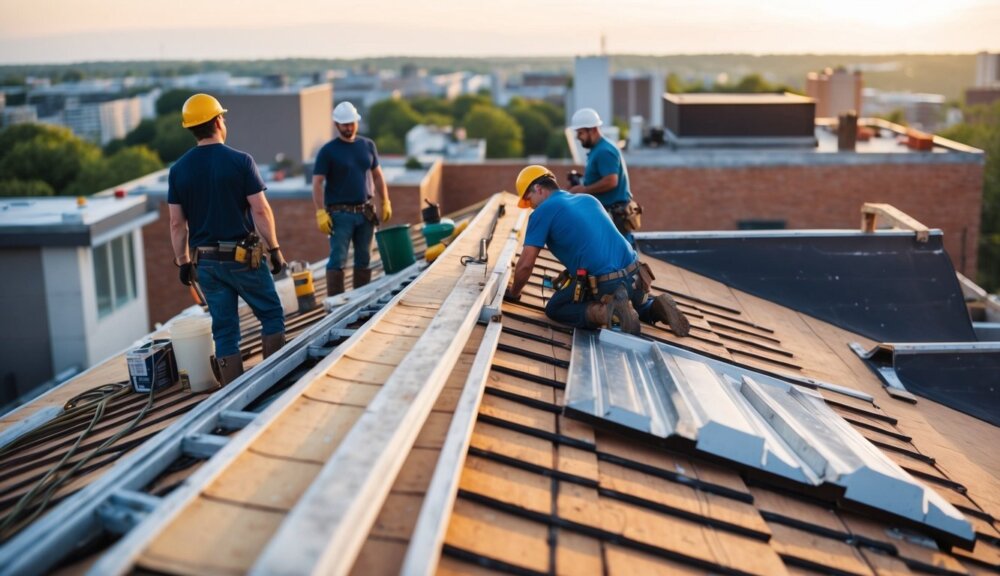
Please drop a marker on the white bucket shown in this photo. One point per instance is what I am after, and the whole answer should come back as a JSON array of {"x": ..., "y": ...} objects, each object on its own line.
[
  {"x": 193, "y": 350},
  {"x": 286, "y": 292}
]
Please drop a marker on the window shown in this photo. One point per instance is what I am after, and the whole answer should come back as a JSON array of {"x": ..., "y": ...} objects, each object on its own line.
[{"x": 114, "y": 274}]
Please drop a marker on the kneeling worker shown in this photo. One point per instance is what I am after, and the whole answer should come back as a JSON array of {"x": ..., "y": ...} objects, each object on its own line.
[
  {"x": 217, "y": 209},
  {"x": 609, "y": 277}
]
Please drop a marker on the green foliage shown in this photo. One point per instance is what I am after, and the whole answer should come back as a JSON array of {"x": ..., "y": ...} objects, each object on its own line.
[
  {"x": 502, "y": 132},
  {"x": 55, "y": 161},
  {"x": 413, "y": 164},
  {"x": 389, "y": 144},
  {"x": 393, "y": 118},
  {"x": 461, "y": 106},
  {"x": 897, "y": 116},
  {"x": 13, "y": 135},
  {"x": 144, "y": 133},
  {"x": 25, "y": 188},
  {"x": 101, "y": 173},
  {"x": 171, "y": 140},
  {"x": 172, "y": 101},
  {"x": 557, "y": 146},
  {"x": 427, "y": 105},
  {"x": 535, "y": 127},
  {"x": 435, "y": 119},
  {"x": 982, "y": 130}
]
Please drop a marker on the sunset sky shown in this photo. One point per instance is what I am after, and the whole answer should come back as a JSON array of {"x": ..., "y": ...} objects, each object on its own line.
[{"x": 60, "y": 31}]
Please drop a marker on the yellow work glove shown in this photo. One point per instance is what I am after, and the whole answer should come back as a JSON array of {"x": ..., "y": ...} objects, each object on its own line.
[
  {"x": 324, "y": 222},
  {"x": 386, "y": 210}
]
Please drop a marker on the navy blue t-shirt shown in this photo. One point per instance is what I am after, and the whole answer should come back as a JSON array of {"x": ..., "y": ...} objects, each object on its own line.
[
  {"x": 347, "y": 167},
  {"x": 579, "y": 232},
  {"x": 211, "y": 184},
  {"x": 604, "y": 159}
]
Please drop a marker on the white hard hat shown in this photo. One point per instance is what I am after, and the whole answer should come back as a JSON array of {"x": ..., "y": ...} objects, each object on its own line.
[
  {"x": 585, "y": 118},
  {"x": 345, "y": 113}
]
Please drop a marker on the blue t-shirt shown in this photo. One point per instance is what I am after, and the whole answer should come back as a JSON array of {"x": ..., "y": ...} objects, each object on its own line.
[
  {"x": 579, "y": 232},
  {"x": 604, "y": 159},
  {"x": 211, "y": 184},
  {"x": 347, "y": 167}
]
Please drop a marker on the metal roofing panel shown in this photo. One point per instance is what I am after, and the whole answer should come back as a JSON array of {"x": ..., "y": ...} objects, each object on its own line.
[{"x": 744, "y": 416}]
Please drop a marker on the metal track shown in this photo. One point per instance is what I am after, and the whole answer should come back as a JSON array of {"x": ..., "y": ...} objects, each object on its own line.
[{"x": 116, "y": 502}]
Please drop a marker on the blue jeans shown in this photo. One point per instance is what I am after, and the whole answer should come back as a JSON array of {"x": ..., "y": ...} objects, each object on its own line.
[
  {"x": 561, "y": 307},
  {"x": 350, "y": 227},
  {"x": 222, "y": 282}
]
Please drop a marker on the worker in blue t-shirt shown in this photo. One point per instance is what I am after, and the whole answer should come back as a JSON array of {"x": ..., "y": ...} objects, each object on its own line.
[
  {"x": 606, "y": 275},
  {"x": 218, "y": 213},
  {"x": 605, "y": 176},
  {"x": 345, "y": 177}
]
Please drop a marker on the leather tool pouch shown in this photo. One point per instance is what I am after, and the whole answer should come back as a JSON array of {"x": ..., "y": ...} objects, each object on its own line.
[
  {"x": 370, "y": 215},
  {"x": 249, "y": 251},
  {"x": 626, "y": 216},
  {"x": 644, "y": 279}
]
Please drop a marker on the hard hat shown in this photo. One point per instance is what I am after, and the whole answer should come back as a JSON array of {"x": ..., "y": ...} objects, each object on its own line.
[
  {"x": 585, "y": 118},
  {"x": 345, "y": 113},
  {"x": 526, "y": 178},
  {"x": 199, "y": 109}
]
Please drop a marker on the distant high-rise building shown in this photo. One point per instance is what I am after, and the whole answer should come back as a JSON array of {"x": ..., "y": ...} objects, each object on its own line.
[
  {"x": 592, "y": 86},
  {"x": 102, "y": 122},
  {"x": 987, "y": 70},
  {"x": 638, "y": 94},
  {"x": 835, "y": 91}
]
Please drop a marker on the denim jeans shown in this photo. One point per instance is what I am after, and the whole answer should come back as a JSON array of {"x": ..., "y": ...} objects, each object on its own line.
[
  {"x": 350, "y": 227},
  {"x": 561, "y": 307},
  {"x": 222, "y": 282}
]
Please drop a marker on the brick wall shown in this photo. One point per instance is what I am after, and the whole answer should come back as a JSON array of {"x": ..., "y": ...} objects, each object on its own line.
[{"x": 940, "y": 195}]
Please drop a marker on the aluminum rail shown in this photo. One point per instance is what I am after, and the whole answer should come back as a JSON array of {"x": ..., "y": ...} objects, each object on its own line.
[{"x": 116, "y": 500}]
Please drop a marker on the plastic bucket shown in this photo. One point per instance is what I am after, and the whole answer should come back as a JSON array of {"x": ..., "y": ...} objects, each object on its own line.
[
  {"x": 395, "y": 248},
  {"x": 432, "y": 213},
  {"x": 435, "y": 233},
  {"x": 193, "y": 349},
  {"x": 286, "y": 293}
]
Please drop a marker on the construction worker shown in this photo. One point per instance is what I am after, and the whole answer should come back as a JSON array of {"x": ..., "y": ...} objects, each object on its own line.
[
  {"x": 605, "y": 176},
  {"x": 218, "y": 215},
  {"x": 606, "y": 275},
  {"x": 346, "y": 171}
]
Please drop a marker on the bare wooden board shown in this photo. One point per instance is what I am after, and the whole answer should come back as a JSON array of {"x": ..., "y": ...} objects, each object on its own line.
[
  {"x": 819, "y": 550},
  {"x": 263, "y": 482},
  {"x": 507, "y": 484},
  {"x": 308, "y": 430},
  {"x": 488, "y": 532}
]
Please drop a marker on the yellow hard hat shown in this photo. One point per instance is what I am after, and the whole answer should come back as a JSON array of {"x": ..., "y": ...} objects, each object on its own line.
[
  {"x": 526, "y": 178},
  {"x": 199, "y": 109}
]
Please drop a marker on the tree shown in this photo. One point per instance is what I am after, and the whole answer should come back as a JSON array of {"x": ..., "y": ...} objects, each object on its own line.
[
  {"x": 536, "y": 128},
  {"x": 13, "y": 135},
  {"x": 464, "y": 103},
  {"x": 502, "y": 132},
  {"x": 427, "y": 105},
  {"x": 98, "y": 174},
  {"x": 557, "y": 147},
  {"x": 143, "y": 133},
  {"x": 25, "y": 188},
  {"x": 55, "y": 161},
  {"x": 982, "y": 130},
  {"x": 171, "y": 140},
  {"x": 392, "y": 117},
  {"x": 172, "y": 101},
  {"x": 389, "y": 144}
]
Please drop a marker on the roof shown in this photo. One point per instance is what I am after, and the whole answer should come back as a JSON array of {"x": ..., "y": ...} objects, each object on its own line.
[
  {"x": 61, "y": 221},
  {"x": 430, "y": 442},
  {"x": 729, "y": 99}
]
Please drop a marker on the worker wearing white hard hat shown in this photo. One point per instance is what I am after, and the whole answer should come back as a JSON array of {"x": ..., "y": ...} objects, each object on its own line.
[
  {"x": 605, "y": 176},
  {"x": 346, "y": 176}
]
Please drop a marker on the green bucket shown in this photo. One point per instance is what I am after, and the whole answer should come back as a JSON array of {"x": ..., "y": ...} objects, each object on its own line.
[
  {"x": 395, "y": 248},
  {"x": 438, "y": 231}
]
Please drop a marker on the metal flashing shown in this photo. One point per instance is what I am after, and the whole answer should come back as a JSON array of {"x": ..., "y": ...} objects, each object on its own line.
[
  {"x": 747, "y": 417},
  {"x": 961, "y": 375}
]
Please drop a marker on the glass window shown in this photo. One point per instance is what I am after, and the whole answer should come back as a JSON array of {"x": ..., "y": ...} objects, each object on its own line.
[{"x": 114, "y": 274}]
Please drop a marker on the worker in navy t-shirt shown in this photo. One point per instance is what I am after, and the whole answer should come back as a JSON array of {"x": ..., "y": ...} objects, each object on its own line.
[
  {"x": 580, "y": 234},
  {"x": 216, "y": 200},
  {"x": 345, "y": 176}
]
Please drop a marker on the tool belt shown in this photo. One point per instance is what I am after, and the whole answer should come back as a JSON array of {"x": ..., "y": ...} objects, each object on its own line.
[
  {"x": 355, "y": 208},
  {"x": 619, "y": 273},
  {"x": 626, "y": 216},
  {"x": 249, "y": 251}
]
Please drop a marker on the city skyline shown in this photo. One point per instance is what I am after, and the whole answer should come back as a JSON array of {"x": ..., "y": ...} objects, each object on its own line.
[{"x": 63, "y": 31}]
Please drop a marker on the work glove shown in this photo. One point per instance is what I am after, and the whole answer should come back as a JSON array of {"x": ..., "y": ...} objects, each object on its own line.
[
  {"x": 185, "y": 274},
  {"x": 324, "y": 222},
  {"x": 277, "y": 260},
  {"x": 386, "y": 210}
]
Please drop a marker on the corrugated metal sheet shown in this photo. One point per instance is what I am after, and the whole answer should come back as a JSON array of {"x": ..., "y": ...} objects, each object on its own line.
[{"x": 744, "y": 416}]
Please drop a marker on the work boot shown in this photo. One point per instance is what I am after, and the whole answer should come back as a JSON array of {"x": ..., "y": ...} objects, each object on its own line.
[
  {"x": 362, "y": 276},
  {"x": 230, "y": 368},
  {"x": 272, "y": 343},
  {"x": 665, "y": 310},
  {"x": 621, "y": 314},
  {"x": 334, "y": 282}
]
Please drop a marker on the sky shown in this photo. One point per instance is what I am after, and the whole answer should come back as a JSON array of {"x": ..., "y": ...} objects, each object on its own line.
[{"x": 63, "y": 31}]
